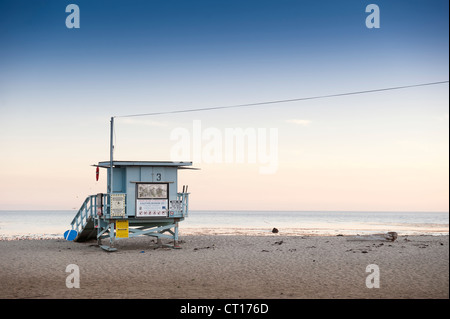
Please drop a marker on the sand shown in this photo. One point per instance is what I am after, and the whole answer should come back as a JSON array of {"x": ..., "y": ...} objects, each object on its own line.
[{"x": 215, "y": 266}]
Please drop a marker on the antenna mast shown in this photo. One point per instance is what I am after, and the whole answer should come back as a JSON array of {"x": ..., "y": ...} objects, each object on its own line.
[{"x": 111, "y": 151}]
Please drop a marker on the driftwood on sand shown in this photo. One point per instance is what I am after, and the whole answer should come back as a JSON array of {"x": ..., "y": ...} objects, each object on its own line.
[{"x": 390, "y": 236}]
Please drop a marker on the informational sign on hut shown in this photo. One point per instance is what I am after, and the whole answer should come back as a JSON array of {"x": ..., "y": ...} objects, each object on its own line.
[
  {"x": 175, "y": 205},
  {"x": 151, "y": 207},
  {"x": 122, "y": 228},
  {"x": 152, "y": 190},
  {"x": 117, "y": 205}
]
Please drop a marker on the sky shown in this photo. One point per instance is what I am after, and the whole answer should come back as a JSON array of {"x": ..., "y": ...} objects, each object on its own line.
[{"x": 385, "y": 151}]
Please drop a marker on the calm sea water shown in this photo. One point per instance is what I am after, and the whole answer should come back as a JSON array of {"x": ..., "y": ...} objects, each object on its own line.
[{"x": 54, "y": 223}]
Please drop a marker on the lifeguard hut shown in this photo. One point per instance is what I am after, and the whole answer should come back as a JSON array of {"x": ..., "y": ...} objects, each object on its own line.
[{"x": 142, "y": 200}]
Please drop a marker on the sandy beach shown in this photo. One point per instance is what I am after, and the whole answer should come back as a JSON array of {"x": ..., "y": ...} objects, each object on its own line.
[{"x": 215, "y": 266}]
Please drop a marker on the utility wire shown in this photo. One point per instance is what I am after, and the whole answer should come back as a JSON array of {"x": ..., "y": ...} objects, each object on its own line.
[{"x": 286, "y": 101}]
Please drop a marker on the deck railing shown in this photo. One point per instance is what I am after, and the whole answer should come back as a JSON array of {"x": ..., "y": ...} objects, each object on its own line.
[
  {"x": 184, "y": 198},
  {"x": 87, "y": 210}
]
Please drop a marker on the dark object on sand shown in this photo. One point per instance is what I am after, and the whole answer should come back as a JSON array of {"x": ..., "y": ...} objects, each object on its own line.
[
  {"x": 390, "y": 236},
  {"x": 275, "y": 230}
]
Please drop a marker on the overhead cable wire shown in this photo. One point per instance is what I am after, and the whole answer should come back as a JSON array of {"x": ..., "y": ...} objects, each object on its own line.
[{"x": 286, "y": 101}]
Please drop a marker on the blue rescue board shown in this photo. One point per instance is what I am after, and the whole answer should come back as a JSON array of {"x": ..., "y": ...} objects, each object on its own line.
[{"x": 70, "y": 234}]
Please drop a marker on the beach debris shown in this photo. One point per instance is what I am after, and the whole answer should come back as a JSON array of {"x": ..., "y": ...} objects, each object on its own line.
[
  {"x": 264, "y": 251},
  {"x": 275, "y": 230},
  {"x": 362, "y": 250},
  {"x": 278, "y": 242},
  {"x": 390, "y": 236},
  {"x": 207, "y": 247},
  {"x": 339, "y": 235}
]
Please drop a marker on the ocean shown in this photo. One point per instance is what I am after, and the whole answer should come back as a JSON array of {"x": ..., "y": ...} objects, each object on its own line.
[{"x": 52, "y": 224}]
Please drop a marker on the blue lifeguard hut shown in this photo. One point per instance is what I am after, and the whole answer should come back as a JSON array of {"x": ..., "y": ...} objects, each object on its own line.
[{"x": 143, "y": 199}]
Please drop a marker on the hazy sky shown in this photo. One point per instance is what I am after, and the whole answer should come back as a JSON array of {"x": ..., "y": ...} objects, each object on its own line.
[{"x": 380, "y": 151}]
